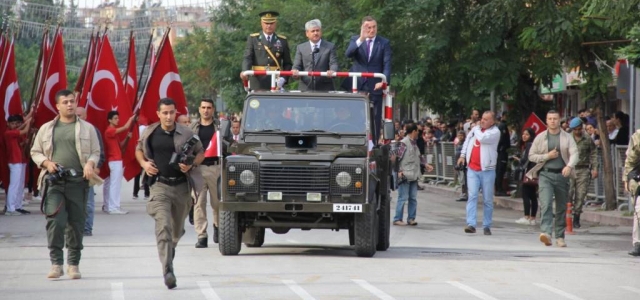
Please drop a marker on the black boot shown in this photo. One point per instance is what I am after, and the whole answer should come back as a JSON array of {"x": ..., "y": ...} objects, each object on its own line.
[
  {"x": 191, "y": 216},
  {"x": 202, "y": 243},
  {"x": 576, "y": 221},
  {"x": 215, "y": 234},
  {"x": 636, "y": 250},
  {"x": 170, "y": 279}
]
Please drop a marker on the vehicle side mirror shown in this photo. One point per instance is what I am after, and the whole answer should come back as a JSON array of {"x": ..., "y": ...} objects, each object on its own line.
[
  {"x": 225, "y": 129},
  {"x": 388, "y": 130}
]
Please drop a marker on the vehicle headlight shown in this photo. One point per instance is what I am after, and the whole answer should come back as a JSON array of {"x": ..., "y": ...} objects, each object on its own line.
[
  {"x": 343, "y": 179},
  {"x": 247, "y": 177}
]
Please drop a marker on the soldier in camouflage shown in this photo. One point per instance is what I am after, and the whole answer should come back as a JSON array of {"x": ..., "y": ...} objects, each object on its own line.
[
  {"x": 266, "y": 51},
  {"x": 586, "y": 169},
  {"x": 632, "y": 162}
]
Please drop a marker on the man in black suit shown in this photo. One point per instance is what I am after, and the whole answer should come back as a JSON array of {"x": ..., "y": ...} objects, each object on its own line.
[
  {"x": 315, "y": 55},
  {"x": 268, "y": 51},
  {"x": 370, "y": 53}
]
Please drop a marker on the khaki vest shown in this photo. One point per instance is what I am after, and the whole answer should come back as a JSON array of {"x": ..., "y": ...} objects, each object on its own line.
[{"x": 410, "y": 162}]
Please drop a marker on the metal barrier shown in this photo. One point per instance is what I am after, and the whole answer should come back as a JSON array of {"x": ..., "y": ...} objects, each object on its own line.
[
  {"x": 448, "y": 151},
  {"x": 596, "y": 188},
  {"x": 430, "y": 156}
]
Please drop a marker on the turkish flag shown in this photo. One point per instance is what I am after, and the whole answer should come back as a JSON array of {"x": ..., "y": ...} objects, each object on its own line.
[
  {"x": 12, "y": 103},
  {"x": 55, "y": 79},
  {"x": 214, "y": 149},
  {"x": 164, "y": 82},
  {"x": 4, "y": 170},
  {"x": 106, "y": 93},
  {"x": 125, "y": 109},
  {"x": 86, "y": 69},
  {"x": 535, "y": 123}
]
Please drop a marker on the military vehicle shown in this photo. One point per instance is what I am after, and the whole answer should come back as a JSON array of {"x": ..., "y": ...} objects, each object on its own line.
[{"x": 306, "y": 161}]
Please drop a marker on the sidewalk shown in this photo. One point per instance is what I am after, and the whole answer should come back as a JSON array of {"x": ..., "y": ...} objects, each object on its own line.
[{"x": 590, "y": 214}]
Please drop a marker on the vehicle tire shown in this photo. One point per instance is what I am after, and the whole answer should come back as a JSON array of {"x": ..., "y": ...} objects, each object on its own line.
[
  {"x": 258, "y": 241},
  {"x": 229, "y": 234},
  {"x": 384, "y": 223},
  {"x": 366, "y": 232}
]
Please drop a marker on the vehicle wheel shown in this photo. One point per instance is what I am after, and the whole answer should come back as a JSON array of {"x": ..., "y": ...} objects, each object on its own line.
[
  {"x": 229, "y": 234},
  {"x": 366, "y": 232},
  {"x": 258, "y": 240},
  {"x": 384, "y": 223}
]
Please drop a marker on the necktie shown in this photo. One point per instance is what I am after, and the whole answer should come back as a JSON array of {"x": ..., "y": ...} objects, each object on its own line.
[
  {"x": 315, "y": 53},
  {"x": 269, "y": 39},
  {"x": 368, "y": 49}
]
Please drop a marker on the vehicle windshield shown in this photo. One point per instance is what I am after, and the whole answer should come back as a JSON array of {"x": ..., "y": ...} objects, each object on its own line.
[{"x": 300, "y": 115}]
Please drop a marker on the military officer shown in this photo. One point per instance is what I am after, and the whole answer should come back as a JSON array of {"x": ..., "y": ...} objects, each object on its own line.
[
  {"x": 586, "y": 169},
  {"x": 266, "y": 50}
]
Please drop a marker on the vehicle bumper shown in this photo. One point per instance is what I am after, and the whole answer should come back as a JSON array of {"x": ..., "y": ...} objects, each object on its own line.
[{"x": 299, "y": 207}]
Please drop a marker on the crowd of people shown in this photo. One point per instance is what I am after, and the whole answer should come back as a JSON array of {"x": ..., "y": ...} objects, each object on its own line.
[{"x": 552, "y": 168}]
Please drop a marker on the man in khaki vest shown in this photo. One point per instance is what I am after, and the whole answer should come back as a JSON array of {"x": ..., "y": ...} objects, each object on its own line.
[{"x": 631, "y": 185}]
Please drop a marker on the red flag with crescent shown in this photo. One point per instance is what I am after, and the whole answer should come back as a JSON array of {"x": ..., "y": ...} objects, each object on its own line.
[
  {"x": 125, "y": 109},
  {"x": 54, "y": 80},
  {"x": 164, "y": 82},
  {"x": 105, "y": 94},
  {"x": 214, "y": 149},
  {"x": 11, "y": 101},
  {"x": 535, "y": 123}
]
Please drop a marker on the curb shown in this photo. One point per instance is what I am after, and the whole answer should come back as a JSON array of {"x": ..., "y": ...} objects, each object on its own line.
[{"x": 598, "y": 217}]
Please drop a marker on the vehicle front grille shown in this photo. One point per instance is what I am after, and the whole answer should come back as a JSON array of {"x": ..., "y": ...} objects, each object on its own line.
[{"x": 294, "y": 180}]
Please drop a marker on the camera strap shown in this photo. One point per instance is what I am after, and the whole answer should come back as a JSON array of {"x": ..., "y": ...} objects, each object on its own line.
[{"x": 44, "y": 200}]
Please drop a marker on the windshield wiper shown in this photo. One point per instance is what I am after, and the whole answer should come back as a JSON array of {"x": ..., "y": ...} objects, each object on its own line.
[
  {"x": 322, "y": 131},
  {"x": 268, "y": 130}
]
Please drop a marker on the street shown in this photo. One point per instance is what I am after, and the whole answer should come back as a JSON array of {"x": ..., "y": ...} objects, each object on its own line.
[{"x": 434, "y": 260}]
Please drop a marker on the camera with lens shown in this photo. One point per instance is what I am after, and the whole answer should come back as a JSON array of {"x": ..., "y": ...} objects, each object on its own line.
[
  {"x": 634, "y": 174},
  {"x": 60, "y": 175},
  {"x": 458, "y": 167},
  {"x": 184, "y": 157}
]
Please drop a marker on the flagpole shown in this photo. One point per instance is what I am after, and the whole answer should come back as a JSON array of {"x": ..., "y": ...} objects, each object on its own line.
[
  {"x": 38, "y": 69},
  {"x": 125, "y": 74},
  {"x": 83, "y": 73},
  {"x": 144, "y": 64},
  {"x": 138, "y": 104}
]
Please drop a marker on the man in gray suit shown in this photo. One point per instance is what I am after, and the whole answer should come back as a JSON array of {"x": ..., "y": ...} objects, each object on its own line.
[{"x": 315, "y": 55}]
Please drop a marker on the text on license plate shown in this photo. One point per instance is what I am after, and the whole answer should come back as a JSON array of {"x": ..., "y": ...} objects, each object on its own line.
[{"x": 347, "y": 208}]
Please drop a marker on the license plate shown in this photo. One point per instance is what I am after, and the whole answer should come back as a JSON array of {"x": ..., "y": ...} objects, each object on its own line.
[{"x": 347, "y": 208}]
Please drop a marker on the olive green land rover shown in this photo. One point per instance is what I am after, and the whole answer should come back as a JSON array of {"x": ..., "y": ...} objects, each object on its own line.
[{"x": 305, "y": 161}]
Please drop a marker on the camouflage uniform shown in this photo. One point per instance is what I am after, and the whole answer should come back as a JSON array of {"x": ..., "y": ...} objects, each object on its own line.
[
  {"x": 588, "y": 161},
  {"x": 633, "y": 159}
]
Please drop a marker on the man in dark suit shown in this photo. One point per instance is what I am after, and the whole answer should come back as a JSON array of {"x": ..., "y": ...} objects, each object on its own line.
[
  {"x": 315, "y": 55},
  {"x": 266, "y": 50},
  {"x": 370, "y": 53}
]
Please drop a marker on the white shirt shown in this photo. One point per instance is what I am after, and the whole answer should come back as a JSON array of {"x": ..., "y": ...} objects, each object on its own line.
[
  {"x": 268, "y": 36},
  {"x": 612, "y": 135},
  {"x": 236, "y": 137},
  {"x": 373, "y": 40},
  {"x": 312, "y": 44}
]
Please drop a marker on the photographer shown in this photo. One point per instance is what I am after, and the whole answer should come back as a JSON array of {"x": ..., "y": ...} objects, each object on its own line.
[
  {"x": 409, "y": 161},
  {"x": 68, "y": 159},
  {"x": 631, "y": 166},
  {"x": 167, "y": 152}
]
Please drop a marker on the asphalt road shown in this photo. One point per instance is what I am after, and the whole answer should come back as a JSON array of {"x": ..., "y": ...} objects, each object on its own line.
[{"x": 434, "y": 260}]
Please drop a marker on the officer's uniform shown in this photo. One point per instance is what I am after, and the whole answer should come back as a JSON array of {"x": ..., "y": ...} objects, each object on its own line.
[
  {"x": 170, "y": 199},
  {"x": 261, "y": 54},
  {"x": 588, "y": 160},
  {"x": 631, "y": 162}
]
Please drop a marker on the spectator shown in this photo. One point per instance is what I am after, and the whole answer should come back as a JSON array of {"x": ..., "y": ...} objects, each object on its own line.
[
  {"x": 462, "y": 172},
  {"x": 612, "y": 131},
  {"x": 503, "y": 157},
  {"x": 409, "y": 160},
  {"x": 479, "y": 152},
  {"x": 529, "y": 192},
  {"x": 621, "y": 121},
  {"x": 593, "y": 133},
  {"x": 475, "y": 115},
  {"x": 513, "y": 136}
]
